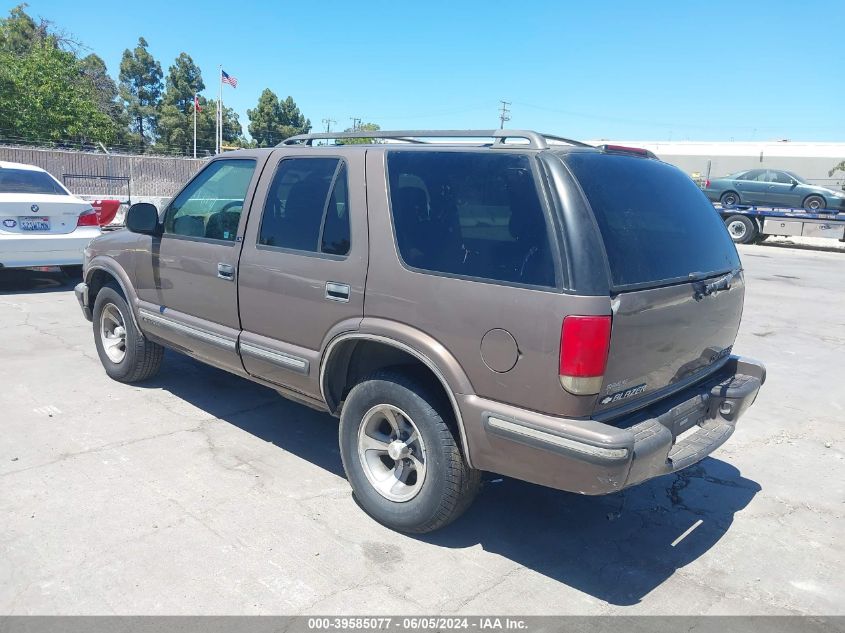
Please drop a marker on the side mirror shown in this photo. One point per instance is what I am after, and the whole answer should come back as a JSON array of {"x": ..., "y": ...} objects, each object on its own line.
[{"x": 142, "y": 218}]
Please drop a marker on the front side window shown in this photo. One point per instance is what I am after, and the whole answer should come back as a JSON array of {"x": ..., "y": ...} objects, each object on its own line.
[
  {"x": 780, "y": 177},
  {"x": 473, "y": 214},
  {"x": 29, "y": 181},
  {"x": 211, "y": 205},
  {"x": 307, "y": 207}
]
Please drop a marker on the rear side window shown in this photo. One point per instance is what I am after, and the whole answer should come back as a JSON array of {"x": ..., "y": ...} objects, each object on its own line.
[
  {"x": 473, "y": 214},
  {"x": 656, "y": 224},
  {"x": 29, "y": 181},
  {"x": 307, "y": 207}
]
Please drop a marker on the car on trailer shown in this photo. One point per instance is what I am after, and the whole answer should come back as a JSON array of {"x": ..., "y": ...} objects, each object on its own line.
[{"x": 772, "y": 188}]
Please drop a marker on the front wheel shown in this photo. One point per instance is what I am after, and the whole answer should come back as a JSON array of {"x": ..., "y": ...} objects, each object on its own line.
[
  {"x": 814, "y": 203},
  {"x": 742, "y": 229},
  {"x": 401, "y": 456},
  {"x": 126, "y": 355}
]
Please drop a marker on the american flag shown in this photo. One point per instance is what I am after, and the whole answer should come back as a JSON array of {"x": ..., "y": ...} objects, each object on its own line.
[{"x": 228, "y": 79}]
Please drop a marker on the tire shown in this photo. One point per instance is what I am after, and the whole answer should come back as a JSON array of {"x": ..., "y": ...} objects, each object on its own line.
[
  {"x": 71, "y": 271},
  {"x": 136, "y": 358},
  {"x": 814, "y": 204},
  {"x": 729, "y": 199},
  {"x": 437, "y": 488},
  {"x": 742, "y": 229}
]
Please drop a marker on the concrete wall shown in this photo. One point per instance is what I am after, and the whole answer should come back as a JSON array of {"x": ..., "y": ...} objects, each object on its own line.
[{"x": 89, "y": 173}]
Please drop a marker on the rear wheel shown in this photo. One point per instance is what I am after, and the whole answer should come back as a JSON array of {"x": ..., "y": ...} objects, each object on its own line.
[
  {"x": 401, "y": 456},
  {"x": 742, "y": 229},
  {"x": 124, "y": 352},
  {"x": 814, "y": 203},
  {"x": 729, "y": 199}
]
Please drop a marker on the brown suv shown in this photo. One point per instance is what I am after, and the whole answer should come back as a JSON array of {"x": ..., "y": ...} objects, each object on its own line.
[{"x": 523, "y": 304}]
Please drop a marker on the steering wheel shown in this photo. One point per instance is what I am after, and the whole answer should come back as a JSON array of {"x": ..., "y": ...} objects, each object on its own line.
[{"x": 233, "y": 203}]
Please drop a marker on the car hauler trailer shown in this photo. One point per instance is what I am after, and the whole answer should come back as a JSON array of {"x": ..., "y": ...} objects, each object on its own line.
[{"x": 751, "y": 224}]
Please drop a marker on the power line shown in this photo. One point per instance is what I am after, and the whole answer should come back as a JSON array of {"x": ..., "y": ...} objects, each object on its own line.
[{"x": 505, "y": 114}]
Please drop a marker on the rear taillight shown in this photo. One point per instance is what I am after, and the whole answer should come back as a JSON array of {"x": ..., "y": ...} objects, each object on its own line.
[
  {"x": 707, "y": 184},
  {"x": 88, "y": 218},
  {"x": 584, "y": 344}
]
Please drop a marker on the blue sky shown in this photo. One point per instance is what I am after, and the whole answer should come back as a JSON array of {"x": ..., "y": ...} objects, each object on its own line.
[{"x": 662, "y": 70}]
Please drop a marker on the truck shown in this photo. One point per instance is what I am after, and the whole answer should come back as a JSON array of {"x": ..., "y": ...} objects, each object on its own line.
[{"x": 747, "y": 225}]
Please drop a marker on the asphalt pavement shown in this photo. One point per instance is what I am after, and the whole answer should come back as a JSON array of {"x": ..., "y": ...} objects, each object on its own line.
[{"x": 202, "y": 493}]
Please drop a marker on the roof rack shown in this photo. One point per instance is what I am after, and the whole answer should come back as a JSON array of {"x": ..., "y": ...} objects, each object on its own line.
[{"x": 535, "y": 139}]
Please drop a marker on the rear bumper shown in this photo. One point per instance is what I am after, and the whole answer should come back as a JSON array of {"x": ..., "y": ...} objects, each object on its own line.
[
  {"x": 590, "y": 457},
  {"x": 22, "y": 251}
]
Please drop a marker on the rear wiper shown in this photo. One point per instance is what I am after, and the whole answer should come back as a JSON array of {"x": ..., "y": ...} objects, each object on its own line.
[{"x": 705, "y": 290}]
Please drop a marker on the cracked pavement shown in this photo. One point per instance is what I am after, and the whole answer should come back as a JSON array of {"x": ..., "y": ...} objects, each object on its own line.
[{"x": 202, "y": 493}]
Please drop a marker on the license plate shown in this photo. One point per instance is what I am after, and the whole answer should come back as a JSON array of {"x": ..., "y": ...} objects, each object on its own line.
[{"x": 34, "y": 224}]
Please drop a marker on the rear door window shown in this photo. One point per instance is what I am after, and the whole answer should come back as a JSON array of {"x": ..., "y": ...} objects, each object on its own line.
[
  {"x": 307, "y": 207},
  {"x": 473, "y": 214},
  {"x": 657, "y": 225},
  {"x": 29, "y": 181}
]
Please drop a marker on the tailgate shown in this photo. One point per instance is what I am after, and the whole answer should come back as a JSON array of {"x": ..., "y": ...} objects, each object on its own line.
[
  {"x": 664, "y": 244},
  {"x": 664, "y": 337}
]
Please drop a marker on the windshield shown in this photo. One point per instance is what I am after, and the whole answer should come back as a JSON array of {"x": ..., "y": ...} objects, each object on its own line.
[
  {"x": 657, "y": 225},
  {"x": 29, "y": 181},
  {"x": 792, "y": 174}
]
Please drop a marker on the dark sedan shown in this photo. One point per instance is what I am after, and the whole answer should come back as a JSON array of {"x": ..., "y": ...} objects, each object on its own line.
[{"x": 772, "y": 188}]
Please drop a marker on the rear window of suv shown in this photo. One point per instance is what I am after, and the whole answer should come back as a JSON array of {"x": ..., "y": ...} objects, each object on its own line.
[
  {"x": 470, "y": 214},
  {"x": 29, "y": 181},
  {"x": 657, "y": 225}
]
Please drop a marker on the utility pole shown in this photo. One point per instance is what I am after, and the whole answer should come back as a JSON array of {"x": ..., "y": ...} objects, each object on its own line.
[
  {"x": 505, "y": 114},
  {"x": 356, "y": 123},
  {"x": 328, "y": 123}
]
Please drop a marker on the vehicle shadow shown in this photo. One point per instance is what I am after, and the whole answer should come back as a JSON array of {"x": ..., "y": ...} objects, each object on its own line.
[
  {"x": 617, "y": 548},
  {"x": 24, "y": 280},
  {"x": 803, "y": 247}
]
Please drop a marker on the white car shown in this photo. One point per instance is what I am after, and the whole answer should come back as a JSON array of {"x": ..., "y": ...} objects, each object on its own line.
[{"x": 41, "y": 222}]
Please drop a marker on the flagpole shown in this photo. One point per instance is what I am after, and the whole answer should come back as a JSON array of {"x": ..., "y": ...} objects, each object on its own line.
[
  {"x": 196, "y": 101},
  {"x": 218, "y": 135}
]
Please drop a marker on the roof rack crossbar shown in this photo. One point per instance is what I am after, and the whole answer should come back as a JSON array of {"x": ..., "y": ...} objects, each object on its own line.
[{"x": 535, "y": 140}]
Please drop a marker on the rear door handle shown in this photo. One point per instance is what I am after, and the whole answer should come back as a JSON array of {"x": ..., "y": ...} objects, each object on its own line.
[
  {"x": 226, "y": 271},
  {"x": 337, "y": 291}
]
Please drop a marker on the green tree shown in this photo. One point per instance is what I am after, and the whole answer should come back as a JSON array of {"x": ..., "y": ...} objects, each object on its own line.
[
  {"x": 43, "y": 99},
  {"x": 140, "y": 88},
  {"x": 839, "y": 167},
  {"x": 273, "y": 120},
  {"x": 176, "y": 115},
  {"x": 19, "y": 32},
  {"x": 107, "y": 96},
  {"x": 363, "y": 127}
]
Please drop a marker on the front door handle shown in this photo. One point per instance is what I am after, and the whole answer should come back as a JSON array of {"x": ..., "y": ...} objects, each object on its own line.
[
  {"x": 337, "y": 291},
  {"x": 226, "y": 271}
]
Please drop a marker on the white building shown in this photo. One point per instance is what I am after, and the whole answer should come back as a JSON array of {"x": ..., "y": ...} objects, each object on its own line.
[{"x": 701, "y": 159}]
